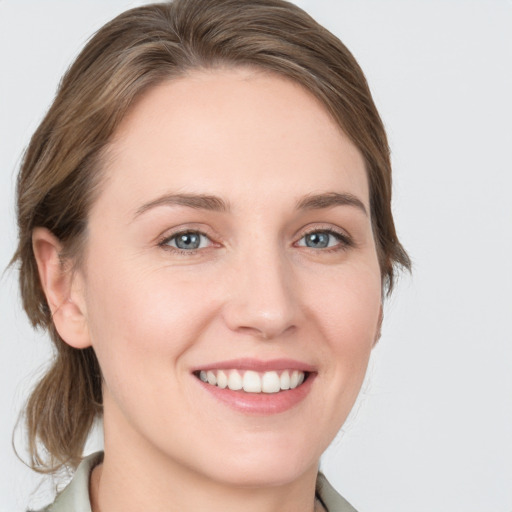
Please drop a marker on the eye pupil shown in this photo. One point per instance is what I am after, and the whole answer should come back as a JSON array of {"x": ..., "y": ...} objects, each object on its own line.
[
  {"x": 317, "y": 240},
  {"x": 188, "y": 241}
]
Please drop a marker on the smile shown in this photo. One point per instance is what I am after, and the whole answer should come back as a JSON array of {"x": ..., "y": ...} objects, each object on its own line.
[
  {"x": 257, "y": 387},
  {"x": 252, "y": 381}
]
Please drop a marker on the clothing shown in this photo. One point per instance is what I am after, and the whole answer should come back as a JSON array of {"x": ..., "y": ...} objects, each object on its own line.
[{"x": 75, "y": 497}]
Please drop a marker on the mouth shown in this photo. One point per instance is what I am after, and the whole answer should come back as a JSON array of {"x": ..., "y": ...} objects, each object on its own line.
[
  {"x": 251, "y": 381},
  {"x": 255, "y": 386}
]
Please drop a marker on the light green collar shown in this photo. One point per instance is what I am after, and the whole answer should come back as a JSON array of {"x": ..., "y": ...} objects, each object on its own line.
[{"x": 75, "y": 497}]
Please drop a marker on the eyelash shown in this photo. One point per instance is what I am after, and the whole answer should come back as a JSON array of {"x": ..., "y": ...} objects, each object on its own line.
[
  {"x": 344, "y": 241},
  {"x": 164, "y": 243}
]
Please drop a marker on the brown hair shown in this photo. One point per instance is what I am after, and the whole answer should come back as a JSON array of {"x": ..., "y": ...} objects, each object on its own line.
[{"x": 61, "y": 169}]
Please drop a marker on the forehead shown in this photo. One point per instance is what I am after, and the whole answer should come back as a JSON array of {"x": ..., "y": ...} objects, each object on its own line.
[{"x": 236, "y": 131}]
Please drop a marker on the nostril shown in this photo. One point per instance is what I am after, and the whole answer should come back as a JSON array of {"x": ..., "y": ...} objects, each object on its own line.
[{"x": 266, "y": 331}]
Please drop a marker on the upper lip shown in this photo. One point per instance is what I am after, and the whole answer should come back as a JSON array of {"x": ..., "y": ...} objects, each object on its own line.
[{"x": 257, "y": 365}]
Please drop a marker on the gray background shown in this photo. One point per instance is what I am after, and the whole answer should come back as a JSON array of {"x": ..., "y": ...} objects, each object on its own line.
[{"x": 433, "y": 428}]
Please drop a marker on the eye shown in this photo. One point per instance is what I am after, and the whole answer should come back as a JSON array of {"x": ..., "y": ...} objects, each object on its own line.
[
  {"x": 323, "y": 239},
  {"x": 187, "y": 241}
]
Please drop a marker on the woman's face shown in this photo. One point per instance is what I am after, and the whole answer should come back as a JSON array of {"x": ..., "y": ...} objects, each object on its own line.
[{"x": 231, "y": 241}]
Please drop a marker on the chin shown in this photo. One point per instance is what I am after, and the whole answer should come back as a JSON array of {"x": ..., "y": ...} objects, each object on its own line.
[
  {"x": 258, "y": 474},
  {"x": 269, "y": 463}
]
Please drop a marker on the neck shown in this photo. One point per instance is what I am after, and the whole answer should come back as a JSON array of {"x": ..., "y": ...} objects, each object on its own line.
[{"x": 112, "y": 490}]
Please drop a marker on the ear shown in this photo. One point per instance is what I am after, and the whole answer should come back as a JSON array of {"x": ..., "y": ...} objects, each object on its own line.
[
  {"x": 379, "y": 325},
  {"x": 63, "y": 289}
]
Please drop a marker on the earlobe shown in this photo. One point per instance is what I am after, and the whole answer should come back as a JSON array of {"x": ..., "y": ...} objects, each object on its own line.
[{"x": 62, "y": 289}]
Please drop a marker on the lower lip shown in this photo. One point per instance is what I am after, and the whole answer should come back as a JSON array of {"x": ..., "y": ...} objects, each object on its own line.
[{"x": 261, "y": 403}]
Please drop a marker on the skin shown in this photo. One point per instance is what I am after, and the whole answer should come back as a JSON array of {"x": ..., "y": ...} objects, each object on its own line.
[{"x": 254, "y": 289}]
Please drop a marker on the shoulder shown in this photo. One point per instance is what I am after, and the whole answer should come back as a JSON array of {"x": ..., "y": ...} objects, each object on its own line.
[
  {"x": 330, "y": 499},
  {"x": 75, "y": 497}
]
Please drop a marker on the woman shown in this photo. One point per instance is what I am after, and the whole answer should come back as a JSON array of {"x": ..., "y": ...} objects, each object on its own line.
[{"x": 205, "y": 230}]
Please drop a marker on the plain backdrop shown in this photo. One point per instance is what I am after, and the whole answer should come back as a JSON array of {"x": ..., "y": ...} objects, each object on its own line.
[{"x": 433, "y": 427}]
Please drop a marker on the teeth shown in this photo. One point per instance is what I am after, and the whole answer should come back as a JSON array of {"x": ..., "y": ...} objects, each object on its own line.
[
  {"x": 234, "y": 381},
  {"x": 253, "y": 382},
  {"x": 285, "y": 380},
  {"x": 294, "y": 379},
  {"x": 270, "y": 383},
  {"x": 222, "y": 379}
]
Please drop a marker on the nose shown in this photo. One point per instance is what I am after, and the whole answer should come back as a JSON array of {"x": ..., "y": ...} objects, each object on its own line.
[{"x": 262, "y": 295}]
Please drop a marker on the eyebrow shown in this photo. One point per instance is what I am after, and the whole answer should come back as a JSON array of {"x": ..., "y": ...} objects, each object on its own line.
[
  {"x": 196, "y": 201},
  {"x": 328, "y": 200},
  {"x": 214, "y": 203}
]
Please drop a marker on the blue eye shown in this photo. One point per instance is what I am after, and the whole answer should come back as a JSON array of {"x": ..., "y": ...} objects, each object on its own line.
[
  {"x": 321, "y": 240},
  {"x": 188, "y": 241}
]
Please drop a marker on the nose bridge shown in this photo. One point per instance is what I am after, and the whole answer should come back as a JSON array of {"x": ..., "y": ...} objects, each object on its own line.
[{"x": 263, "y": 299}]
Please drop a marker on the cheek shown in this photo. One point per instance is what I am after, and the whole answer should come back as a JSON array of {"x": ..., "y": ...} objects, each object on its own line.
[
  {"x": 348, "y": 312},
  {"x": 140, "y": 319},
  {"x": 350, "y": 304}
]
